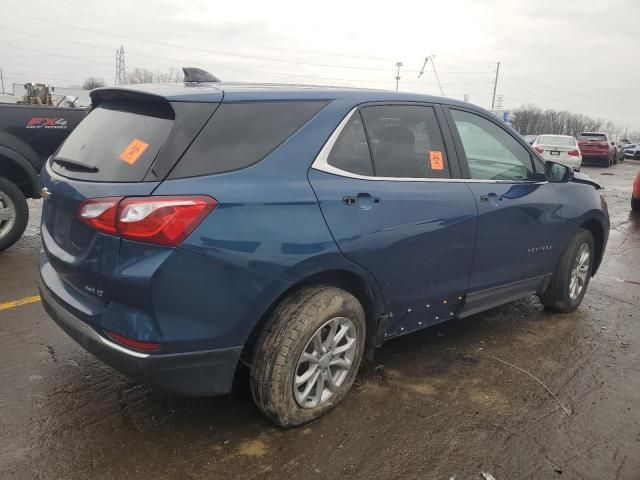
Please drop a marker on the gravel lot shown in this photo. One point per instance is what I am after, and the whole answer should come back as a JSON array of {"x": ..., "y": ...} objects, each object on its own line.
[{"x": 436, "y": 404}]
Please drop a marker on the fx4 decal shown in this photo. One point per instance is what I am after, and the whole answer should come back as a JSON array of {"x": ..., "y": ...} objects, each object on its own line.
[{"x": 40, "y": 122}]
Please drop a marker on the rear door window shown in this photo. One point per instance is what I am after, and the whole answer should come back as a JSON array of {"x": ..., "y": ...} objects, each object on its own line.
[
  {"x": 406, "y": 141},
  {"x": 351, "y": 151},
  {"x": 115, "y": 143},
  {"x": 241, "y": 134}
]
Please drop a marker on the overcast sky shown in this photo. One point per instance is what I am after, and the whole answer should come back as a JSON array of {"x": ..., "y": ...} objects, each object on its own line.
[{"x": 576, "y": 55}]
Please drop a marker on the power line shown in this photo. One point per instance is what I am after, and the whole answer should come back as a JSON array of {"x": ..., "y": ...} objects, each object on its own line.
[
  {"x": 590, "y": 97},
  {"x": 217, "y": 52}
]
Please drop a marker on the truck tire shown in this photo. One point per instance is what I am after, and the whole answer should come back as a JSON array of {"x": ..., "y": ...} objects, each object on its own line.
[
  {"x": 14, "y": 213},
  {"x": 571, "y": 278},
  {"x": 308, "y": 355}
]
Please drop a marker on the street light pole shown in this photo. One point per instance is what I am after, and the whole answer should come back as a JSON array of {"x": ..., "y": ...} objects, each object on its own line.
[
  {"x": 398, "y": 65},
  {"x": 495, "y": 86}
]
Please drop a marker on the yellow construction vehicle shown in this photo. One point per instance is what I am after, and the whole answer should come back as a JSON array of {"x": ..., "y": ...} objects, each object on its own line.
[{"x": 37, "y": 94}]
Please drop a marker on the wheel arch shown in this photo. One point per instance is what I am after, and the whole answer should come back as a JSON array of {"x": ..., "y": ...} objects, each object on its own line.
[
  {"x": 17, "y": 169},
  {"x": 360, "y": 287},
  {"x": 597, "y": 231}
]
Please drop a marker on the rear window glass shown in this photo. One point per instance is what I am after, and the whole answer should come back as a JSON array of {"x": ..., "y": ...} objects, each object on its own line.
[
  {"x": 556, "y": 140},
  {"x": 596, "y": 137},
  {"x": 116, "y": 143},
  {"x": 242, "y": 134},
  {"x": 351, "y": 151}
]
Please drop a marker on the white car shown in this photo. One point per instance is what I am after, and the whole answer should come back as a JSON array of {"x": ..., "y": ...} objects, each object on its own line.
[{"x": 559, "y": 148}]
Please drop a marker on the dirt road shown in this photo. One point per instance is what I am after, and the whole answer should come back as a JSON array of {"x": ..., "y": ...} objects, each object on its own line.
[{"x": 438, "y": 405}]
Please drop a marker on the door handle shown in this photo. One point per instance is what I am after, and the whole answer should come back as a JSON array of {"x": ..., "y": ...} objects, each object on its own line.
[
  {"x": 491, "y": 198},
  {"x": 366, "y": 201}
]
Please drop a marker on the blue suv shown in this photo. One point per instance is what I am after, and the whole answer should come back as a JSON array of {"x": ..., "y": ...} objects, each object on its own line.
[{"x": 195, "y": 232}]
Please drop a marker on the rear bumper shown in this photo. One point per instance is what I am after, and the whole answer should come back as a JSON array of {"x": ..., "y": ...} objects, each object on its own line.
[
  {"x": 600, "y": 159},
  {"x": 200, "y": 373}
]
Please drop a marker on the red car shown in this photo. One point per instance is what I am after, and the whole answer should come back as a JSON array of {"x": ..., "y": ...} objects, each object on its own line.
[
  {"x": 597, "y": 148},
  {"x": 635, "y": 194}
]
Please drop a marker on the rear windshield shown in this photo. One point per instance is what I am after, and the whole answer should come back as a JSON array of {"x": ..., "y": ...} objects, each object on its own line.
[
  {"x": 242, "y": 134},
  {"x": 557, "y": 140},
  {"x": 115, "y": 143},
  {"x": 595, "y": 137}
]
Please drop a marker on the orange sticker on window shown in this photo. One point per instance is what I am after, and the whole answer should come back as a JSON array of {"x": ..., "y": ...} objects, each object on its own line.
[
  {"x": 133, "y": 151},
  {"x": 435, "y": 157}
]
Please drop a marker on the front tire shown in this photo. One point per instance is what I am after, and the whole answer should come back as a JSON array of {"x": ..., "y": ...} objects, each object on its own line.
[
  {"x": 308, "y": 355},
  {"x": 571, "y": 278},
  {"x": 14, "y": 213},
  {"x": 635, "y": 204}
]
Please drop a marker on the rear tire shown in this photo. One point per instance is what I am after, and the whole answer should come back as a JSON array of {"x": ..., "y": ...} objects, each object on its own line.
[
  {"x": 14, "y": 213},
  {"x": 296, "y": 327},
  {"x": 562, "y": 294},
  {"x": 635, "y": 204}
]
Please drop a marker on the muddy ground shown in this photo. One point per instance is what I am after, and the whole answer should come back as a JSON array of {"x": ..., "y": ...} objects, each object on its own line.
[{"x": 440, "y": 404}]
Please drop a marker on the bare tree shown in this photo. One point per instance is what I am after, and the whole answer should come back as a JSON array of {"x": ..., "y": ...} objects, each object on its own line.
[
  {"x": 140, "y": 75},
  {"x": 93, "y": 82},
  {"x": 143, "y": 75},
  {"x": 532, "y": 120}
]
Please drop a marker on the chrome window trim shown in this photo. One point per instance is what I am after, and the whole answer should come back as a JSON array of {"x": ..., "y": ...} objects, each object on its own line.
[{"x": 321, "y": 163}]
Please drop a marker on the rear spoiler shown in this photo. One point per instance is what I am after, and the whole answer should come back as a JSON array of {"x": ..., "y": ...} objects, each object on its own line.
[{"x": 125, "y": 93}]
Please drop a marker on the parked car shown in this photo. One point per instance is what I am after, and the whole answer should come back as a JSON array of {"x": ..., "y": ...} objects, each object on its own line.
[
  {"x": 635, "y": 194},
  {"x": 530, "y": 138},
  {"x": 632, "y": 151},
  {"x": 28, "y": 135},
  {"x": 597, "y": 148},
  {"x": 187, "y": 231},
  {"x": 559, "y": 148}
]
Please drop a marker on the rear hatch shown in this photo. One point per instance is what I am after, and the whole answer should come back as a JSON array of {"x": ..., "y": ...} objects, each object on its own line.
[
  {"x": 125, "y": 147},
  {"x": 593, "y": 144}
]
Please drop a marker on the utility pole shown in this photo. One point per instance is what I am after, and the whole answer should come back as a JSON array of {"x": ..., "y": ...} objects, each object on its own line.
[
  {"x": 398, "y": 64},
  {"x": 121, "y": 71},
  {"x": 495, "y": 86}
]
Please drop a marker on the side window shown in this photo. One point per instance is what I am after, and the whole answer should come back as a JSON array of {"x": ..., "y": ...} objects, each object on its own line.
[
  {"x": 351, "y": 151},
  {"x": 242, "y": 134},
  {"x": 492, "y": 153},
  {"x": 406, "y": 141}
]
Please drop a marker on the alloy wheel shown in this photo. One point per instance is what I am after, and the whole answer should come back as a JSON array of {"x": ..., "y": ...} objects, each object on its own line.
[
  {"x": 325, "y": 362},
  {"x": 579, "y": 271},
  {"x": 7, "y": 214}
]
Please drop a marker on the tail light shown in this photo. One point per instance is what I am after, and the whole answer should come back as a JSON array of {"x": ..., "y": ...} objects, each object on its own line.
[
  {"x": 160, "y": 220},
  {"x": 574, "y": 153},
  {"x": 539, "y": 149}
]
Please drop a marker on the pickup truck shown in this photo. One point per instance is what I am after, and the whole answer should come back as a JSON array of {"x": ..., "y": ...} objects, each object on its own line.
[{"x": 28, "y": 136}]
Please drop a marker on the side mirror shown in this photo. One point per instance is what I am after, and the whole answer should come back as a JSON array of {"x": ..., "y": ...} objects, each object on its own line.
[{"x": 557, "y": 173}]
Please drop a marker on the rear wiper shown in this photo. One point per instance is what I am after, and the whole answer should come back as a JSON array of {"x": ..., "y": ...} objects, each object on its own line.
[{"x": 75, "y": 165}]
